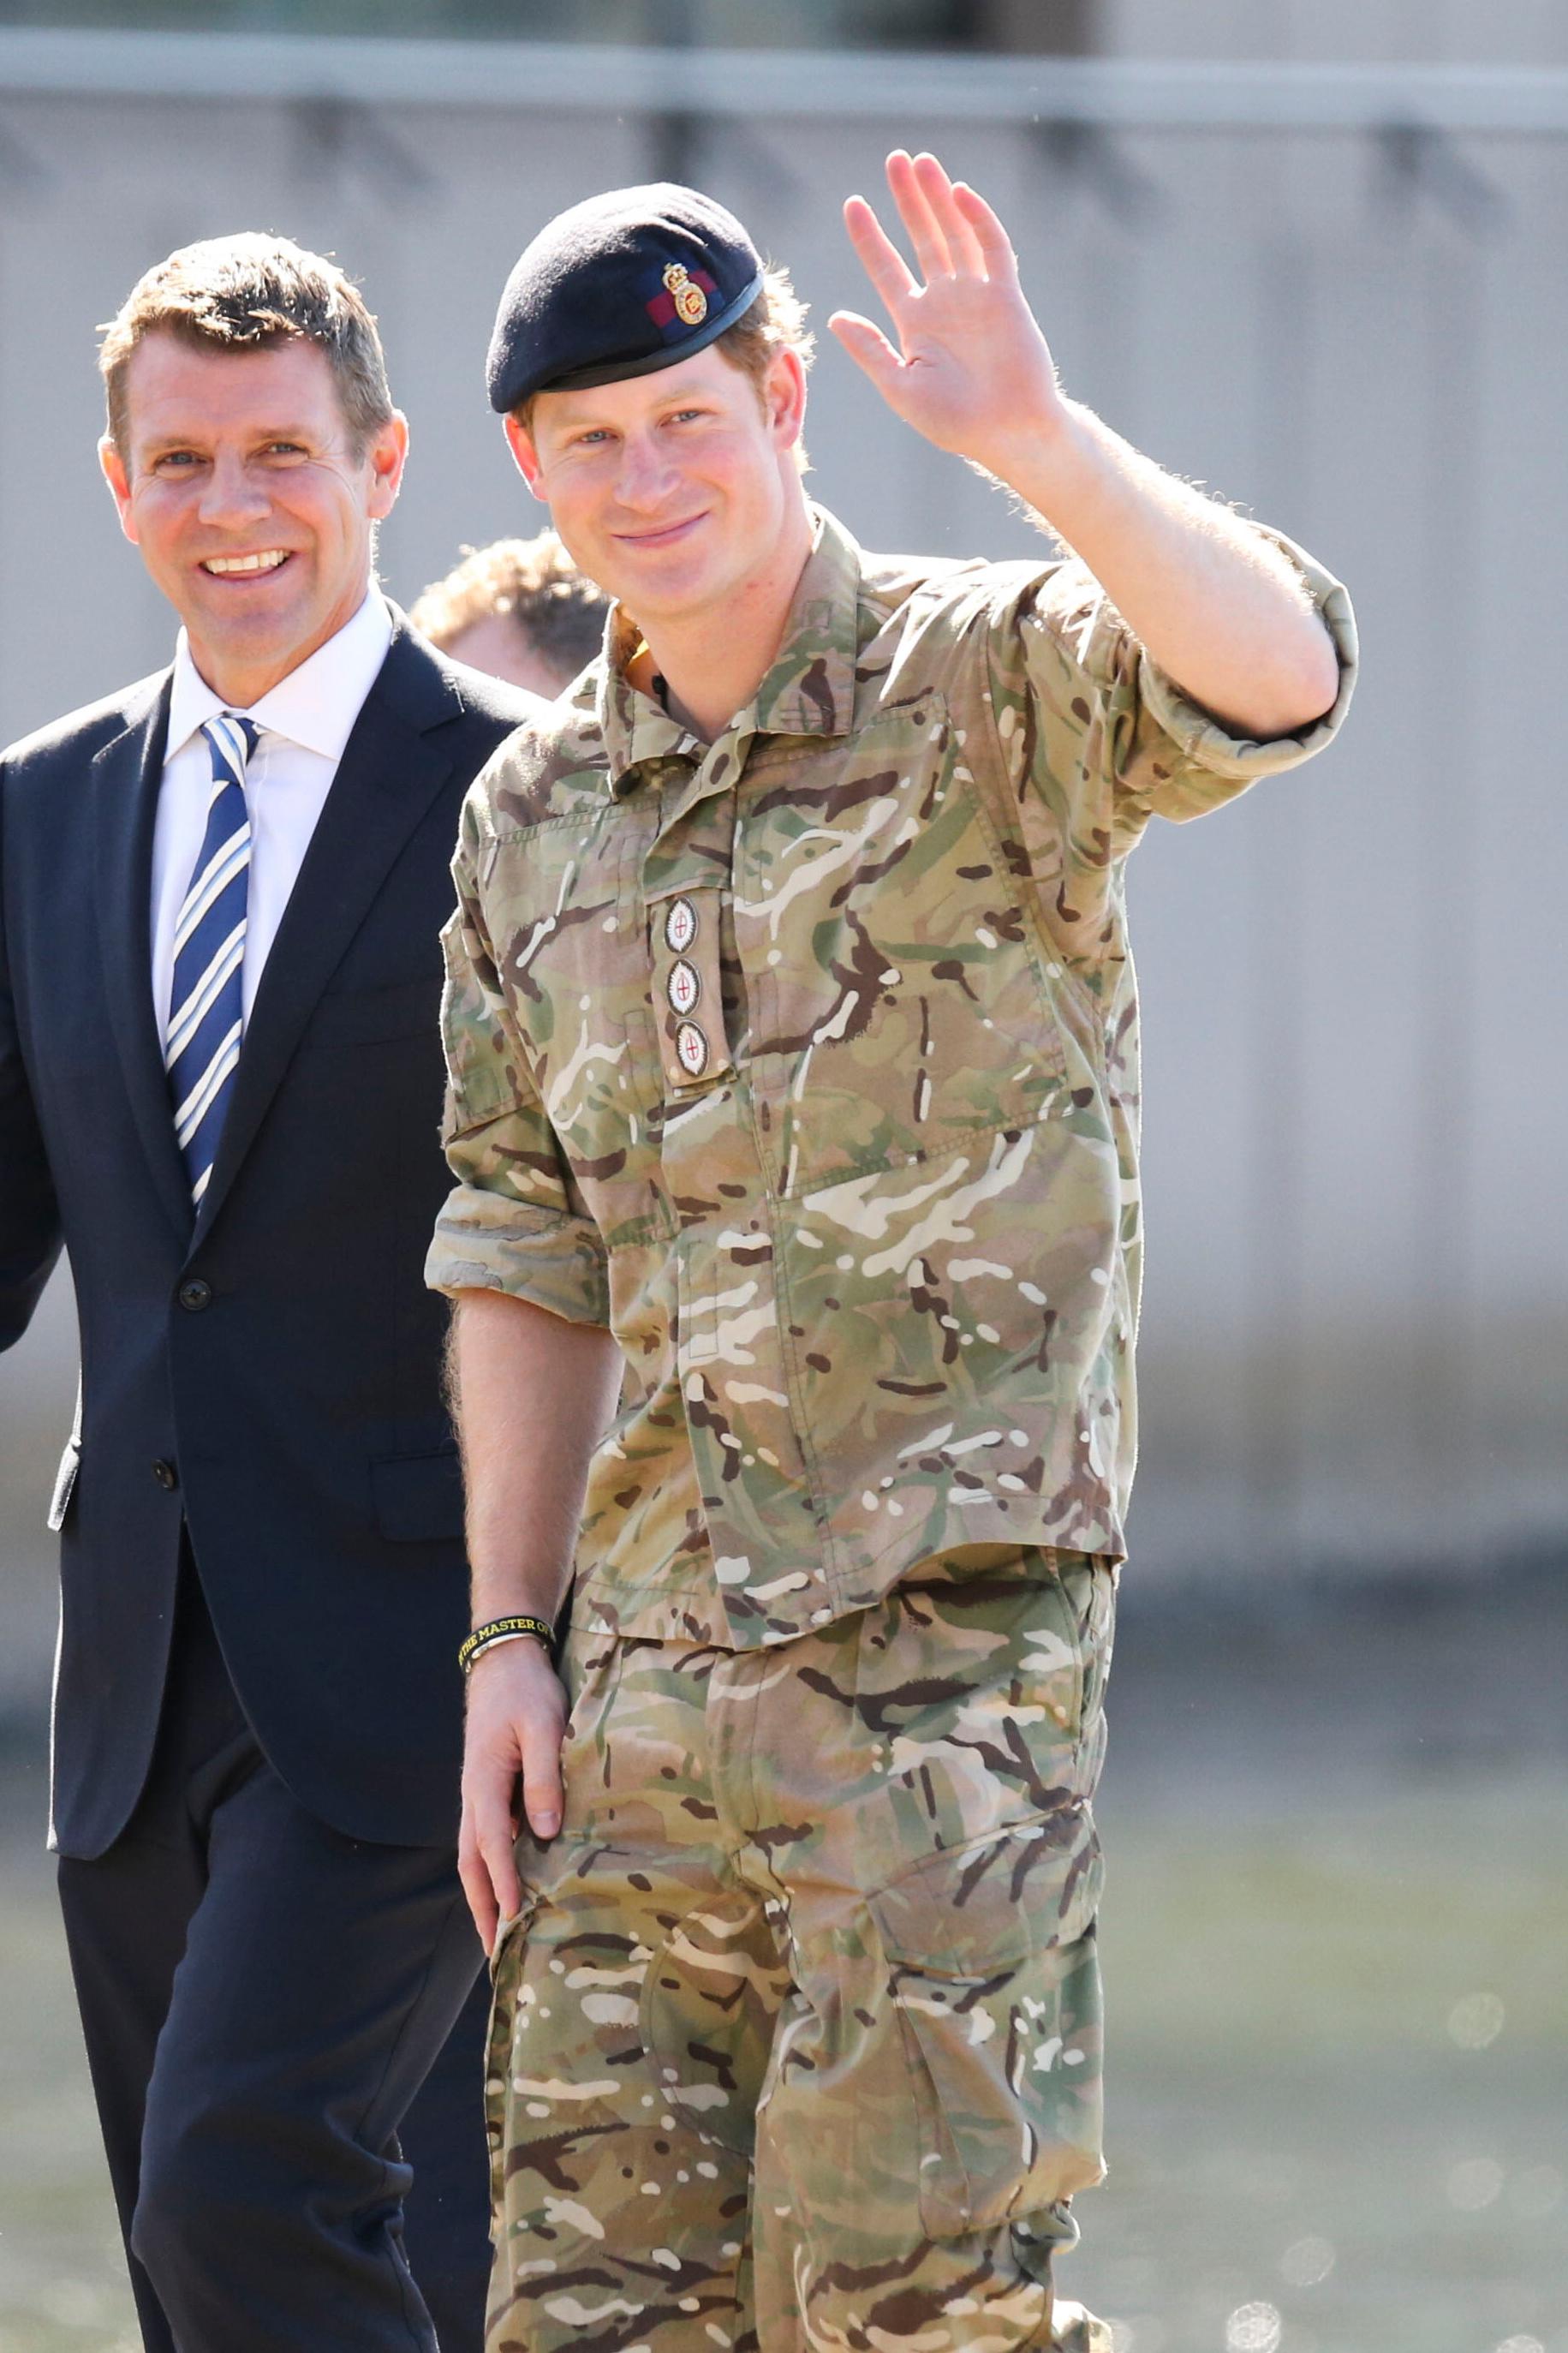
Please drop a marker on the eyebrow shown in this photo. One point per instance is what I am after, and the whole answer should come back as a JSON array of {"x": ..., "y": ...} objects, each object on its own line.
[
  {"x": 159, "y": 443},
  {"x": 583, "y": 412}
]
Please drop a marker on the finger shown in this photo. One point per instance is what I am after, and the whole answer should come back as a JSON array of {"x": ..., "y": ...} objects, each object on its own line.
[
  {"x": 879, "y": 258},
  {"x": 541, "y": 1793},
  {"x": 868, "y": 347},
  {"x": 489, "y": 1816},
  {"x": 499, "y": 1868},
  {"x": 995, "y": 247},
  {"x": 963, "y": 247},
  {"x": 477, "y": 1887},
  {"x": 915, "y": 212},
  {"x": 481, "y": 1902}
]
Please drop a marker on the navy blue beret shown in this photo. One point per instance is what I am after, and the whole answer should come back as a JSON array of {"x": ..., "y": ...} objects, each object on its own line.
[{"x": 621, "y": 285}]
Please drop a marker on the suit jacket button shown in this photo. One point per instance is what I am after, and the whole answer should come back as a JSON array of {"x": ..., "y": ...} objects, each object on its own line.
[
  {"x": 195, "y": 1294},
  {"x": 165, "y": 1474}
]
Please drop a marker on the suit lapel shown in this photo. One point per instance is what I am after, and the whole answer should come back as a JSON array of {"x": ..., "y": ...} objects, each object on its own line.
[
  {"x": 392, "y": 768},
  {"x": 127, "y": 774}
]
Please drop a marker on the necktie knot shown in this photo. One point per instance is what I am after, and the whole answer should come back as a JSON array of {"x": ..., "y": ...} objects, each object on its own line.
[{"x": 231, "y": 740}]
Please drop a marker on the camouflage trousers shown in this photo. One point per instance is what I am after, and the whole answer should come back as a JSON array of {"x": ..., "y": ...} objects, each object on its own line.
[{"x": 796, "y": 2042}]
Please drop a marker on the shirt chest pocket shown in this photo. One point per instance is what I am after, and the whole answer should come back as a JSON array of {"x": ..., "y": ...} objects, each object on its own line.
[{"x": 902, "y": 1005}]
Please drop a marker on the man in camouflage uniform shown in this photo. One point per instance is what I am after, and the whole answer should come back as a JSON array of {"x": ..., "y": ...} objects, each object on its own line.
[{"x": 794, "y": 1060}]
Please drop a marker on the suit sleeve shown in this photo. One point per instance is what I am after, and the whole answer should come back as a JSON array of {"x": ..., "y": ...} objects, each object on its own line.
[
  {"x": 30, "y": 1215},
  {"x": 516, "y": 1221}
]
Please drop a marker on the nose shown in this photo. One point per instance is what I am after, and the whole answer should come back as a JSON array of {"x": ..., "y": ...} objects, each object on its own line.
[
  {"x": 646, "y": 476},
  {"x": 232, "y": 499}
]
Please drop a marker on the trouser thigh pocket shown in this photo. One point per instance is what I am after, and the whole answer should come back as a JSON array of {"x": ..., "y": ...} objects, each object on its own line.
[{"x": 993, "y": 1969}]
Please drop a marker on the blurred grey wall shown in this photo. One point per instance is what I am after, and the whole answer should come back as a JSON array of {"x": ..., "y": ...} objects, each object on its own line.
[
  {"x": 1528, "y": 32},
  {"x": 1333, "y": 309}
]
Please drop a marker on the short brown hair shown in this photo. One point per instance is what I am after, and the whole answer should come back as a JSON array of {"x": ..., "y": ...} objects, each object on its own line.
[
  {"x": 557, "y": 610},
  {"x": 243, "y": 294},
  {"x": 774, "y": 322}
]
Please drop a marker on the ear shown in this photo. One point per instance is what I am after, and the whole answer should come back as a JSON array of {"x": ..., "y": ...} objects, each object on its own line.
[
  {"x": 784, "y": 399},
  {"x": 521, "y": 444},
  {"x": 388, "y": 454},
  {"x": 115, "y": 475}
]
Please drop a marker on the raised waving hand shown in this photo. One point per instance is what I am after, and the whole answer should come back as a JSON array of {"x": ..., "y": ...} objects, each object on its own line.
[{"x": 971, "y": 369}]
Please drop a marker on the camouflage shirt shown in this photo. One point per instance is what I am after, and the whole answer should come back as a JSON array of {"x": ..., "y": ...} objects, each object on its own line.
[{"x": 808, "y": 1061}]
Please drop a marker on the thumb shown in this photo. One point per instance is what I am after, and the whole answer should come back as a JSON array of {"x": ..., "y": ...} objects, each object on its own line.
[{"x": 868, "y": 347}]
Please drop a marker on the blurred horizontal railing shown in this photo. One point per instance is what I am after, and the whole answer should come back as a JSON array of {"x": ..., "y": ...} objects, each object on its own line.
[{"x": 1131, "y": 93}]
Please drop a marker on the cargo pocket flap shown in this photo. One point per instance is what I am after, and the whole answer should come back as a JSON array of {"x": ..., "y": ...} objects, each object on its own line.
[
  {"x": 994, "y": 1973},
  {"x": 978, "y": 1911}
]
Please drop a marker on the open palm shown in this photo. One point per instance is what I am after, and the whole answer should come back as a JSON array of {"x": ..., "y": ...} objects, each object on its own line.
[{"x": 971, "y": 370}]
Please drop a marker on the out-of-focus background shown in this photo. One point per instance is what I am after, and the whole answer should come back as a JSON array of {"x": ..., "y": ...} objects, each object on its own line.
[{"x": 1309, "y": 253}]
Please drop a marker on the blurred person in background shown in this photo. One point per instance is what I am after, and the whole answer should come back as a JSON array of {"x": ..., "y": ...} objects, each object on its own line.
[
  {"x": 219, "y": 1084},
  {"x": 519, "y": 609},
  {"x": 794, "y": 1050}
]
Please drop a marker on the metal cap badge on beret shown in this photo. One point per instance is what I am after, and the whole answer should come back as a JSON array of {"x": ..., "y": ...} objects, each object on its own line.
[{"x": 622, "y": 285}]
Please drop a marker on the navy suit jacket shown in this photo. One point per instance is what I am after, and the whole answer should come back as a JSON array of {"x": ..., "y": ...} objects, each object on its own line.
[{"x": 268, "y": 1372}]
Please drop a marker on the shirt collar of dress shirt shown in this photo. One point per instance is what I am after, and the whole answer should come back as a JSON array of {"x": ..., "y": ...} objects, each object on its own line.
[{"x": 316, "y": 705}]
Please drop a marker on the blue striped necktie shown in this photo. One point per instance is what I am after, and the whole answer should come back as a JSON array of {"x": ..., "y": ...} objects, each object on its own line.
[{"x": 207, "y": 1003}]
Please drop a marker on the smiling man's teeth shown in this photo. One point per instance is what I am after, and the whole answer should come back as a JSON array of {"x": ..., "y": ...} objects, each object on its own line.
[{"x": 268, "y": 562}]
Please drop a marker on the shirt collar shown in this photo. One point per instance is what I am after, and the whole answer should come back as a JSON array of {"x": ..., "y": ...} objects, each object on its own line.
[
  {"x": 809, "y": 691},
  {"x": 316, "y": 705},
  {"x": 634, "y": 727}
]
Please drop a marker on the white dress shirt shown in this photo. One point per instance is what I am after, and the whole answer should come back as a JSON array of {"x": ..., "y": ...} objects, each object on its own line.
[{"x": 305, "y": 721}]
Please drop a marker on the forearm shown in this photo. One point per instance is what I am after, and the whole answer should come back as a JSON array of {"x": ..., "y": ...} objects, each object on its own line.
[
  {"x": 1221, "y": 610},
  {"x": 533, "y": 1395}
]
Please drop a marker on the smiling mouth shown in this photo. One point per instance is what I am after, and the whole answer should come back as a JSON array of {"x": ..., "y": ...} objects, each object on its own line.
[
  {"x": 655, "y": 538},
  {"x": 231, "y": 567}
]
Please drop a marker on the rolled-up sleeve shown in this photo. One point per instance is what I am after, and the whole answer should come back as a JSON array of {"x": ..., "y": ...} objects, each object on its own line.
[
  {"x": 515, "y": 1221},
  {"x": 1212, "y": 764},
  {"x": 1107, "y": 738}
]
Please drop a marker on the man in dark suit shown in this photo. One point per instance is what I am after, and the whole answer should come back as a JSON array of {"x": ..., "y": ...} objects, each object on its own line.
[{"x": 220, "y": 1083}]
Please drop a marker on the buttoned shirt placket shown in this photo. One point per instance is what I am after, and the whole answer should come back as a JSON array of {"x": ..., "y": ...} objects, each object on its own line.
[
  {"x": 725, "y": 1235},
  {"x": 711, "y": 1170}
]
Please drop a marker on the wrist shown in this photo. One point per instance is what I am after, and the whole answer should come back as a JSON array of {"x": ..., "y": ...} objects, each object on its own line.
[
  {"x": 491, "y": 1670},
  {"x": 1047, "y": 460},
  {"x": 515, "y": 1626}
]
